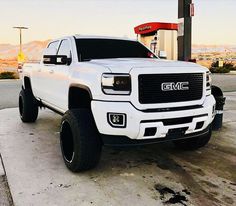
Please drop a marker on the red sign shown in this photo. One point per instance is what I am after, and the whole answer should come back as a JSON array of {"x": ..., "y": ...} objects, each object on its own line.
[{"x": 154, "y": 26}]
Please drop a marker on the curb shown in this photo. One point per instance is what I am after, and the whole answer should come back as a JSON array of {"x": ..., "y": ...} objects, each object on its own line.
[
  {"x": 9, "y": 80},
  {"x": 230, "y": 73}
]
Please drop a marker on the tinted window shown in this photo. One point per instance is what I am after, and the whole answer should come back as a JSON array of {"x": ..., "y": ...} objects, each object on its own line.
[
  {"x": 109, "y": 48},
  {"x": 53, "y": 44},
  {"x": 64, "y": 48}
]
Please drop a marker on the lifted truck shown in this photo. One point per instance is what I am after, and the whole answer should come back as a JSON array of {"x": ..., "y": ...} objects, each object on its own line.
[{"x": 114, "y": 91}]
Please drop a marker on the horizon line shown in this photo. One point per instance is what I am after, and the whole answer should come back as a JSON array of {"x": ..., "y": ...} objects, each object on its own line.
[{"x": 193, "y": 44}]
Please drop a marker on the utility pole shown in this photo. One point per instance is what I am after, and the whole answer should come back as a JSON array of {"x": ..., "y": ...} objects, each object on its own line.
[
  {"x": 20, "y": 55},
  {"x": 185, "y": 13}
]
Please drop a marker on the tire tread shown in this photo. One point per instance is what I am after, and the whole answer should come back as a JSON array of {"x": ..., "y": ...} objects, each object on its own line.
[
  {"x": 86, "y": 139},
  {"x": 30, "y": 106}
]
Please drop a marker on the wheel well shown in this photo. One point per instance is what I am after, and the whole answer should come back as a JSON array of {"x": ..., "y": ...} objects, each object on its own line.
[
  {"x": 79, "y": 98},
  {"x": 27, "y": 83}
]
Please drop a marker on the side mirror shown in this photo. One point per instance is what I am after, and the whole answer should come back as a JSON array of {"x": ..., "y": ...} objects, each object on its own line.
[
  {"x": 162, "y": 54},
  {"x": 56, "y": 59}
]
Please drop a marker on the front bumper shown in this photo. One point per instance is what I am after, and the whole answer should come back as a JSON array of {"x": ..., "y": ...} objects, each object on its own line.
[
  {"x": 138, "y": 121},
  {"x": 109, "y": 140}
]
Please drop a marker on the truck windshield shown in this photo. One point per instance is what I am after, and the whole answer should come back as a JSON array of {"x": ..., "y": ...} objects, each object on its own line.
[{"x": 89, "y": 49}]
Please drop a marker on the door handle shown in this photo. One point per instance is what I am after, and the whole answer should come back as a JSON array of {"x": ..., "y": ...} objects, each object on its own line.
[{"x": 51, "y": 71}]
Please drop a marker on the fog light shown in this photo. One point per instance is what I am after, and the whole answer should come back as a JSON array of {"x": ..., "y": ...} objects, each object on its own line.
[
  {"x": 199, "y": 125},
  {"x": 116, "y": 119},
  {"x": 150, "y": 131}
]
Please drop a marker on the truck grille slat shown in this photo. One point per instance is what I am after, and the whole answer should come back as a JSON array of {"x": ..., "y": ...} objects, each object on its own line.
[{"x": 150, "y": 91}]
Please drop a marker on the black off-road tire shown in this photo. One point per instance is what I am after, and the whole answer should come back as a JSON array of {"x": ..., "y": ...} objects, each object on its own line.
[
  {"x": 80, "y": 141},
  {"x": 28, "y": 106},
  {"x": 194, "y": 143}
]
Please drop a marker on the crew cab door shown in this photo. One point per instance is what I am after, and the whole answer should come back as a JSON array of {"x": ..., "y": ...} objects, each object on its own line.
[
  {"x": 59, "y": 78},
  {"x": 43, "y": 74}
]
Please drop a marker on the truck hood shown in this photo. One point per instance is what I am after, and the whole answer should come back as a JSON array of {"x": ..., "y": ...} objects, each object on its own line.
[{"x": 125, "y": 65}]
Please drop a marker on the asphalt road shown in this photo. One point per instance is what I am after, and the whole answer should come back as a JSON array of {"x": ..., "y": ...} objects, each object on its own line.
[
  {"x": 9, "y": 92},
  {"x": 226, "y": 82},
  {"x": 9, "y": 89}
]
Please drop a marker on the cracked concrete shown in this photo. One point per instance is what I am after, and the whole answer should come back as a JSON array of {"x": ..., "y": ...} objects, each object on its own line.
[{"x": 5, "y": 194}]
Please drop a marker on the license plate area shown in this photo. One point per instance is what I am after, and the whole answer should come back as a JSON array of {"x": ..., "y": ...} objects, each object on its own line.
[{"x": 177, "y": 132}]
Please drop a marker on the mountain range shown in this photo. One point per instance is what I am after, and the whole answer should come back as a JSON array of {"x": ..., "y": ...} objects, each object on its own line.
[
  {"x": 32, "y": 50},
  {"x": 213, "y": 48}
]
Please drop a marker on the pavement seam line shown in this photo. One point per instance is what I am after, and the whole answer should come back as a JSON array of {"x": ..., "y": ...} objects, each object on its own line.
[{"x": 2, "y": 167}]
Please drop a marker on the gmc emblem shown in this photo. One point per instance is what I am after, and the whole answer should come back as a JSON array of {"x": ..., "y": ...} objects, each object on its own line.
[{"x": 172, "y": 86}]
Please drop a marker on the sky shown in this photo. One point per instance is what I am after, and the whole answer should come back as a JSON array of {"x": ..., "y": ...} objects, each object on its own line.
[{"x": 214, "y": 22}]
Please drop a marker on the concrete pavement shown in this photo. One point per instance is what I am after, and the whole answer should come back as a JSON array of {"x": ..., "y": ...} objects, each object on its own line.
[{"x": 150, "y": 175}]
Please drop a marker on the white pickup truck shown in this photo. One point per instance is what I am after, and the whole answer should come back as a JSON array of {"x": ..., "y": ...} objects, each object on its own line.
[{"x": 114, "y": 91}]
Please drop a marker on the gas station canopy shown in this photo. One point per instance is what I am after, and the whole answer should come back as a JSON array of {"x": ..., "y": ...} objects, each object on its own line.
[
  {"x": 159, "y": 37},
  {"x": 151, "y": 27}
]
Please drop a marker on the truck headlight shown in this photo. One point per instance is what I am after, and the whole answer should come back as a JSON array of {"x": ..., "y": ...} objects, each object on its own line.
[
  {"x": 119, "y": 84},
  {"x": 208, "y": 80}
]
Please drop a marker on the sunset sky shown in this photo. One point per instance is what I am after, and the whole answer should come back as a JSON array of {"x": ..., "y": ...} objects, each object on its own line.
[{"x": 214, "y": 21}]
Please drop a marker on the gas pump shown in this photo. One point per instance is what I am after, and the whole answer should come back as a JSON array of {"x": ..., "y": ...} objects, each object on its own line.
[
  {"x": 159, "y": 37},
  {"x": 153, "y": 45}
]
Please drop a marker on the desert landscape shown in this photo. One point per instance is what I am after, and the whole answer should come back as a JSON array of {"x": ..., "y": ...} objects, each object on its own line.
[
  {"x": 8, "y": 54},
  {"x": 204, "y": 54}
]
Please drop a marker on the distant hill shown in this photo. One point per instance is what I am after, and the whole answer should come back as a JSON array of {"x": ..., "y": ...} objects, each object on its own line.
[
  {"x": 213, "y": 48},
  {"x": 33, "y": 50}
]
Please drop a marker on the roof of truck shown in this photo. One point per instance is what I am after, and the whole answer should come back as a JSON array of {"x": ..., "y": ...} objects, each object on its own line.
[{"x": 78, "y": 36}]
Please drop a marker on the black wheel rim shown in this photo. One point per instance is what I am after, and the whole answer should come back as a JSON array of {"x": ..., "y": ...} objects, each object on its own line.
[{"x": 67, "y": 142}]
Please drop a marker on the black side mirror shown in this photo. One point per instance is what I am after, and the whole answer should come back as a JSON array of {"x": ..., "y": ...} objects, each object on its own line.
[{"x": 56, "y": 59}]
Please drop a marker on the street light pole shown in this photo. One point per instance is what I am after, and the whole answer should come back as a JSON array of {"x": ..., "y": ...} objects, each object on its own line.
[
  {"x": 20, "y": 40},
  {"x": 20, "y": 29},
  {"x": 20, "y": 55}
]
